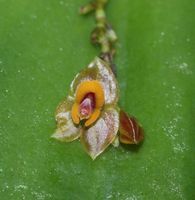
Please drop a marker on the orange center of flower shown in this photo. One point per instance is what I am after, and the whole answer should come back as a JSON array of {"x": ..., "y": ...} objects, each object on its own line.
[{"x": 88, "y": 102}]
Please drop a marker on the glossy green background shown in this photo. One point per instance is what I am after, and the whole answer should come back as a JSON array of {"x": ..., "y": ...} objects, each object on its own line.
[{"x": 43, "y": 44}]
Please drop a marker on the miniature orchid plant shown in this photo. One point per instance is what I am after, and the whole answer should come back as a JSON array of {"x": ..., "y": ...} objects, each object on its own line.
[{"x": 91, "y": 112}]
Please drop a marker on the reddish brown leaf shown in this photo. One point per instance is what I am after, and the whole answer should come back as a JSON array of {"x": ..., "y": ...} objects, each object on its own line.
[{"x": 130, "y": 130}]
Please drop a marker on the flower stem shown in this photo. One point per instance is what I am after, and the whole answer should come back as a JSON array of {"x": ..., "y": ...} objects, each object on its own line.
[{"x": 103, "y": 34}]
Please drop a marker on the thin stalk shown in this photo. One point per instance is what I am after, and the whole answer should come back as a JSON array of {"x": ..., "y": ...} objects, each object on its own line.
[{"x": 103, "y": 33}]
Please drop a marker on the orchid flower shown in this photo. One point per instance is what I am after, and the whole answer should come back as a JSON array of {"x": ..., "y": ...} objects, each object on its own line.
[{"x": 91, "y": 113}]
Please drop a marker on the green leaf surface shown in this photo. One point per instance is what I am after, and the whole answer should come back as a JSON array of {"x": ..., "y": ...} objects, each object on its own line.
[{"x": 43, "y": 44}]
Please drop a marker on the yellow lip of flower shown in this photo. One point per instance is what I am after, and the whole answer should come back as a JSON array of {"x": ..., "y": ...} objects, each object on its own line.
[{"x": 85, "y": 88}]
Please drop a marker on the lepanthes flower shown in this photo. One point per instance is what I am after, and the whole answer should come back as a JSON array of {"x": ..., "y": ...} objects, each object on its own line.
[{"x": 90, "y": 111}]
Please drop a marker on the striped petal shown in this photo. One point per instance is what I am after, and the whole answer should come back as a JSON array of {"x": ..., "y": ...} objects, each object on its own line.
[
  {"x": 99, "y": 136},
  {"x": 66, "y": 130},
  {"x": 99, "y": 70}
]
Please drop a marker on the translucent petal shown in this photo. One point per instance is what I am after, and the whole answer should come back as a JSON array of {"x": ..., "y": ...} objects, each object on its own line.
[
  {"x": 66, "y": 130},
  {"x": 63, "y": 109},
  {"x": 101, "y": 71},
  {"x": 103, "y": 133}
]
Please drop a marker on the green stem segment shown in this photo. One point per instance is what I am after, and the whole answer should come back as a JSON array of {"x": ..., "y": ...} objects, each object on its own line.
[{"x": 103, "y": 34}]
